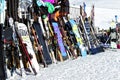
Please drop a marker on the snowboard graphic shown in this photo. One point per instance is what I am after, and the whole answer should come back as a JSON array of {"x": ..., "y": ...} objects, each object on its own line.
[
  {"x": 23, "y": 32},
  {"x": 78, "y": 37},
  {"x": 60, "y": 41}
]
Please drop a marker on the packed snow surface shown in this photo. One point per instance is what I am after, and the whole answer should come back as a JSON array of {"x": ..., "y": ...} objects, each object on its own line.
[{"x": 101, "y": 66}]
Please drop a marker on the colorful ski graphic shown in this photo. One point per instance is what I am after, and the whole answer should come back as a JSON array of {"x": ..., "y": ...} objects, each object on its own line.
[
  {"x": 78, "y": 37},
  {"x": 60, "y": 42}
]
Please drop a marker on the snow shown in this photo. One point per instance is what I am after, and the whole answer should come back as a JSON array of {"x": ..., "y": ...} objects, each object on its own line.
[
  {"x": 111, "y": 4},
  {"x": 105, "y": 11},
  {"x": 102, "y": 66}
]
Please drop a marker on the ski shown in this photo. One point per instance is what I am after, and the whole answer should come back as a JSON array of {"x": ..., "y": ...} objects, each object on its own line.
[{"x": 59, "y": 39}]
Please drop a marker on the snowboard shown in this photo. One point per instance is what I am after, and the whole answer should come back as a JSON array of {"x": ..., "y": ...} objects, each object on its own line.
[
  {"x": 78, "y": 37},
  {"x": 24, "y": 35},
  {"x": 67, "y": 42},
  {"x": 59, "y": 39},
  {"x": 41, "y": 39},
  {"x": 49, "y": 38}
]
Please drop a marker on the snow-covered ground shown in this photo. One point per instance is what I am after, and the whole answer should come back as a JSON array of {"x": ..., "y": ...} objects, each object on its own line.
[{"x": 102, "y": 66}]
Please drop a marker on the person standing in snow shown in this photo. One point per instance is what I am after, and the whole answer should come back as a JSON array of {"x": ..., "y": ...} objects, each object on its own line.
[
  {"x": 113, "y": 35},
  {"x": 113, "y": 40}
]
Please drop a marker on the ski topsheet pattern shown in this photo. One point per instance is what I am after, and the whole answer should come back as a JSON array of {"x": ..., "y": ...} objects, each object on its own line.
[
  {"x": 78, "y": 37},
  {"x": 41, "y": 40},
  {"x": 60, "y": 42},
  {"x": 23, "y": 32}
]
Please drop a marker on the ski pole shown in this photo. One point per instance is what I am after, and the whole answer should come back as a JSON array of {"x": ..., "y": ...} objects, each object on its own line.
[{"x": 107, "y": 40}]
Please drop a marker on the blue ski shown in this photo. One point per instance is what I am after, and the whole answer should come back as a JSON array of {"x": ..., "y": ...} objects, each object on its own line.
[{"x": 60, "y": 41}]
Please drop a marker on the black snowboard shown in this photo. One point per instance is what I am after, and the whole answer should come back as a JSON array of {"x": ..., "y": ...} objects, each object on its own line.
[{"x": 41, "y": 40}]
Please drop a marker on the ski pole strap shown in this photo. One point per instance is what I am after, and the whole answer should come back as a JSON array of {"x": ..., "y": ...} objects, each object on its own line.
[{"x": 2, "y": 5}]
